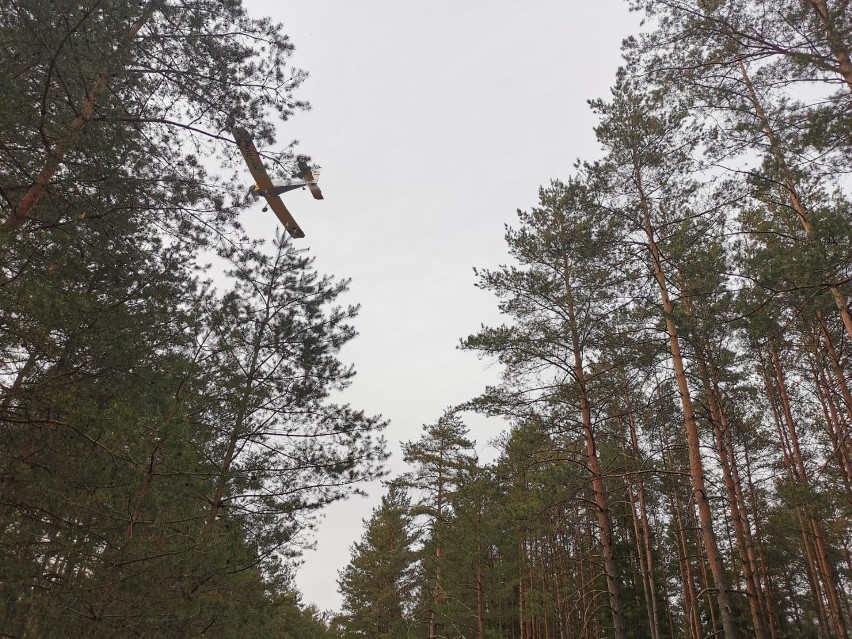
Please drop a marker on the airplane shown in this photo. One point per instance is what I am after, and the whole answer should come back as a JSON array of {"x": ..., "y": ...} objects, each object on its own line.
[{"x": 272, "y": 189}]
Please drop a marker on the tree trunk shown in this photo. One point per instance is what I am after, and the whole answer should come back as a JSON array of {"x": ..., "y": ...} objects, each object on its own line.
[
  {"x": 793, "y": 193},
  {"x": 645, "y": 530},
  {"x": 690, "y": 605},
  {"x": 480, "y": 594},
  {"x": 771, "y": 610},
  {"x": 696, "y": 466},
  {"x": 837, "y": 46},
  {"x": 64, "y": 144},
  {"x": 438, "y": 594},
  {"x": 640, "y": 553},
  {"x": 811, "y": 526},
  {"x": 834, "y": 359},
  {"x": 601, "y": 501},
  {"x": 742, "y": 527},
  {"x": 836, "y": 425}
]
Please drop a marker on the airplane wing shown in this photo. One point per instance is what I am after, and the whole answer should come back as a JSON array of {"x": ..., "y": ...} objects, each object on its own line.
[
  {"x": 252, "y": 158},
  {"x": 277, "y": 205},
  {"x": 310, "y": 179},
  {"x": 261, "y": 178}
]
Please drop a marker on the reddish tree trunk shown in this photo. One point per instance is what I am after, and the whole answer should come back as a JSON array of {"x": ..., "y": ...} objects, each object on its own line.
[
  {"x": 793, "y": 191},
  {"x": 613, "y": 580},
  {"x": 696, "y": 465},
  {"x": 57, "y": 154},
  {"x": 835, "y": 42}
]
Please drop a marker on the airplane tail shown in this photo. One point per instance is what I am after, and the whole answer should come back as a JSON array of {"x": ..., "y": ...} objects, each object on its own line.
[
  {"x": 311, "y": 177},
  {"x": 312, "y": 185}
]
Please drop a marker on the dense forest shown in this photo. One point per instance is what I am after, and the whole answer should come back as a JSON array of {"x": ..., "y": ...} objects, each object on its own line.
[
  {"x": 675, "y": 367},
  {"x": 165, "y": 445},
  {"x": 675, "y": 355}
]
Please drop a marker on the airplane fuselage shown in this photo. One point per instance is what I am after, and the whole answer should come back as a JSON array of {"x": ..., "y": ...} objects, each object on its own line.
[{"x": 278, "y": 187}]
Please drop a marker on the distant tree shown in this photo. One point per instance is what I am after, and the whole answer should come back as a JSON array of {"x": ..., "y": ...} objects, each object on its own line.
[
  {"x": 377, "y": 585},
  {"x": 561, "y": 300},
  {"x": 440, "y": 460},
  {"x": 292, "y": 619}
]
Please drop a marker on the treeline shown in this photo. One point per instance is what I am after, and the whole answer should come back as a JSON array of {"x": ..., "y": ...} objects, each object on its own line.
[
  {"x": 165, "y": 446},
  {"x": 675, "y": 367}
]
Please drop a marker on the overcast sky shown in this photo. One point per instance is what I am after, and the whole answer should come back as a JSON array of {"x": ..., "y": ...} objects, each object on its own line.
[{"x": 433, "y": 123}]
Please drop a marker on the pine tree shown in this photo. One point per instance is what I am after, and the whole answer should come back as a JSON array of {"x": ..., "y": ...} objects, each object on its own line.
[
  {"x": 132, "y": 95},
  {"x": 377, "y": 585},
  {"x": 282, "y": 450},
  {"x": 440, "y": 459},
  {"x": 561, "y": 299},
  {"x": 647, "y": 154},
  {"x": 121, "y": 511}
]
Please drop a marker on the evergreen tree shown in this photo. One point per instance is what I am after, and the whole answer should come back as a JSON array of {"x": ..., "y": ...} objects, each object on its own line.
[
  {"x": 440, "y": 459},
  {"x": 562, "y": 299},
  {"x": 124, "y": 380},
  {"x": 282, "y": 450},
  {"x": 378, "y": 583}
]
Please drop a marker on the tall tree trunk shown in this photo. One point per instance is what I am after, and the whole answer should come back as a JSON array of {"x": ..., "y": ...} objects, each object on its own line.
[
  {"x": 607, "y": 541},
  {"x": 817, "y": 558},
  {"x": 824, "y": 567},
  {"x": 835, "y": 42},
  {"x": 525, "y": 585},
  {"x": 690, "y": 604},
  {"x": 438, "y": 592},
  {"x": 640, "y": 554},
  {"x": 480, "y": 593},
  {"x": 793, "y": 193},
  {"x": 813, "y": 578},
  {"x": 771, "y": 610},
  {"x": 836, "y": 426},
  {"x": 696, "y": 466},
  {"x": 834, "y": 359},
  {"x": 702, "y": 565},
  {"x": 645, "y": 530},
  {"x": 727, "y": 461}
]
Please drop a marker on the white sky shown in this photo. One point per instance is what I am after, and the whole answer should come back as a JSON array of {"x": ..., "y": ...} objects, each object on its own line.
[{"x": 432, "y": 122}]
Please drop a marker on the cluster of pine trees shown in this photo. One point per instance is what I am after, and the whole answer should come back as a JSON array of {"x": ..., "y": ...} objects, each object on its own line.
[
  {"x": 165, "y": 444},
  {"x": 675, "y": 367}
]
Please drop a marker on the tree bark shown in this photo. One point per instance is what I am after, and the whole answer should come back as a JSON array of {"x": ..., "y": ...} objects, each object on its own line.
[
  {"x": 607, "y": 541},
  {"x": 696, "y": 466},
  {"x": 837, "y": 47}
]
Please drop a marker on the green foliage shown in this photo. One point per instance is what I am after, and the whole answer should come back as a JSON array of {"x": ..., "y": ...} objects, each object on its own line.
[
  {"x": 378, "y": 583},
  {"x": 164, "y": 447}
]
